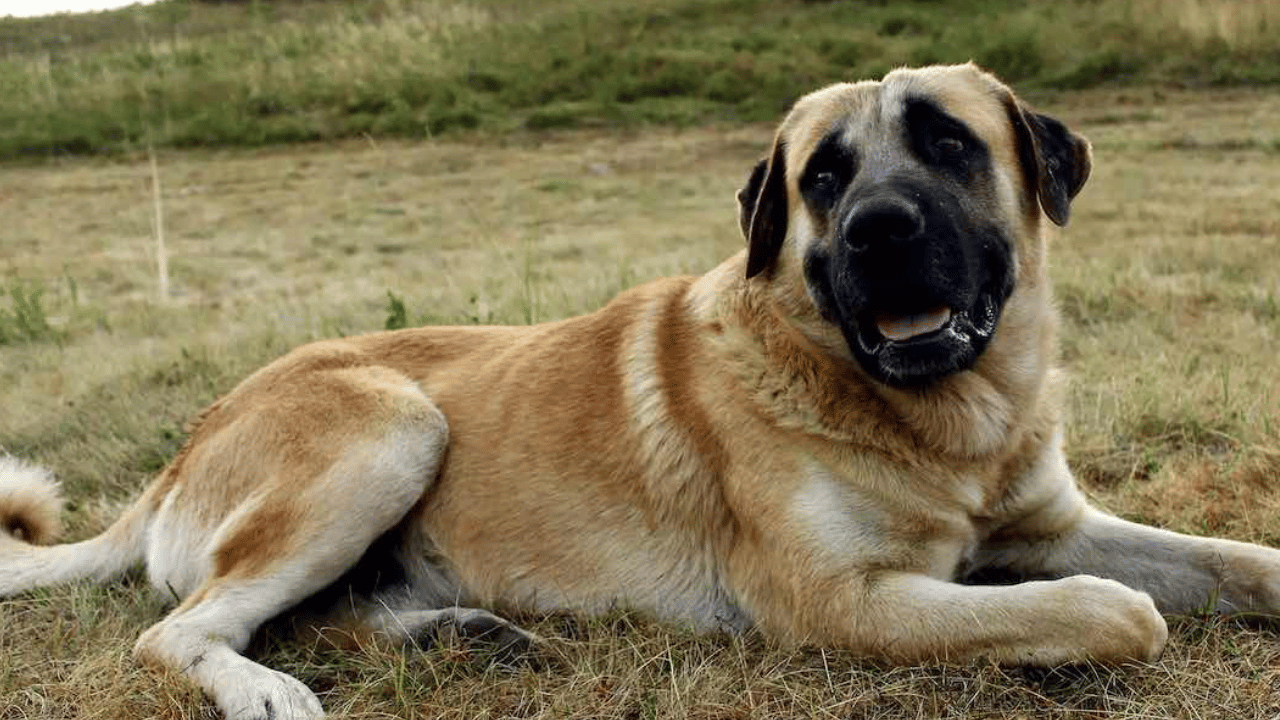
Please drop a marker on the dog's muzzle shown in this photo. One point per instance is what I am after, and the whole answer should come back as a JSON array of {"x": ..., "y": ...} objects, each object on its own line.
[{"x": 916, "y": 290}]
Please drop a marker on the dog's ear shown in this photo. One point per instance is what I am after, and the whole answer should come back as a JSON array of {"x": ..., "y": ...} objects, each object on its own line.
[
  {"x": 748, "y": 195},
  {"x": 1055, "y": 161},
  {"x": 762, "y": 211}
]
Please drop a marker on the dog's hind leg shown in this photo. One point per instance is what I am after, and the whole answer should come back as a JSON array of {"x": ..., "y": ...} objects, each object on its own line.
[
  {"x": 421, "y": 627},
  {"x": 323, "y": 498}
]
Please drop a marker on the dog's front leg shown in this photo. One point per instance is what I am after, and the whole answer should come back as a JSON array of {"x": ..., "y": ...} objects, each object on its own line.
[
  {"x": 907, "y": 617},
  {"x": 1061, "y": 535}
]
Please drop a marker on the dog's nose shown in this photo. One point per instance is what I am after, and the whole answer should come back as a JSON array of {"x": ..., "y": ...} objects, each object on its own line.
[{"x": 881, "y": 220}]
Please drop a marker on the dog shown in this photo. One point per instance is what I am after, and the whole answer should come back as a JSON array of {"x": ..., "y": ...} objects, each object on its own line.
[{"x": 837, "y": 437}]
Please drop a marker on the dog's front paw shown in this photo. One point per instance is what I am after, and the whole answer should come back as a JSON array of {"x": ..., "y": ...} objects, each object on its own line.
[{"x": 1119, "y": 624}]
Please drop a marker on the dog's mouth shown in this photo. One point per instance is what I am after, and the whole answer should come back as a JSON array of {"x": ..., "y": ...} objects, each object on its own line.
[
  {"x": 878, "y": 329},
  {"x": 916, "y": 347}
]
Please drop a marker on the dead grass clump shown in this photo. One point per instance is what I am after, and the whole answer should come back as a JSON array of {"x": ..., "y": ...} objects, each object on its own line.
[{"x": 1236, "y": 496}]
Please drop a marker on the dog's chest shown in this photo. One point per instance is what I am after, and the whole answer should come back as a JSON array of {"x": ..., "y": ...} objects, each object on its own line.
[{"x": 874, "y": 516}]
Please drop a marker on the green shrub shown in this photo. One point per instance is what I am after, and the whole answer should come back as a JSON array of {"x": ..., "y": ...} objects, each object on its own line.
[{"x": 26, "y": 320}]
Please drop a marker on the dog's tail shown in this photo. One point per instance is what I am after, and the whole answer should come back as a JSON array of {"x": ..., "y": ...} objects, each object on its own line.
[{"x": 30, "y": 509}]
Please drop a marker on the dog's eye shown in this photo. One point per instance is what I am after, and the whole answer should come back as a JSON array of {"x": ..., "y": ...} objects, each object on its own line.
[
  {"x": 828, "y": 171},
  {"x": 949, "y": 145},
  {"x": 825, "y": 179}
]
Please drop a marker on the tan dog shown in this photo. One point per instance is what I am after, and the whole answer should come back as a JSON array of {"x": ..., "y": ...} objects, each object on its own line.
[{"x": 831, "y": 437}]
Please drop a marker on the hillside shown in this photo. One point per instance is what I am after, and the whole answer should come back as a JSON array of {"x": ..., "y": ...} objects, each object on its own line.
[{"x": 187, "y": 73}]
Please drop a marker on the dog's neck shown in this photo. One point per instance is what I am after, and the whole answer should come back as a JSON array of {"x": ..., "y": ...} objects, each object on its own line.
[{"x": 800, "y": 373}]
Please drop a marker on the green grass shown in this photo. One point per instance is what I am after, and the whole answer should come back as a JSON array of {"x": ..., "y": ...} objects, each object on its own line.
[
  {"x": 185, "y": 73},
  {"x": 27, "y": 321}
]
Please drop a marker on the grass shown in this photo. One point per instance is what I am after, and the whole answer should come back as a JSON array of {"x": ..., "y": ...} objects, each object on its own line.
[
  {"x": 27, "y": 321},
  {"x": 187, "y": 73},
  {"x": 1168, "y": 279}
]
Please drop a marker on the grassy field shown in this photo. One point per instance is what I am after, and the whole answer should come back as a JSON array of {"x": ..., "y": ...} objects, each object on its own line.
[
  {"x": 1168, "y": 279},
  {"x": 190, "y": 73}
]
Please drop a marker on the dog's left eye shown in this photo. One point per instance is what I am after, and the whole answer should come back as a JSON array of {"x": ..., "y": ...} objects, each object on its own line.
[{"x": 949, "y": 145}]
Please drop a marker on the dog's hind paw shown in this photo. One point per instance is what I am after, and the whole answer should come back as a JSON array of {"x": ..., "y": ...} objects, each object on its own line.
[
  {"x": 260, "y": 693},
  {"x": 506, "y": 638},
  {"x": 424, "y": 628}
]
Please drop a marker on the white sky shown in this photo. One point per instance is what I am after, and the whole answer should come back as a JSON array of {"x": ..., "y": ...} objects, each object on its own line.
[{"x": 31, "y": 8}]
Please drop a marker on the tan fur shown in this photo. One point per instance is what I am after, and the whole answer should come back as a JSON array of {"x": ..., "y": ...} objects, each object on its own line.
[{"x": 702, "y": 449}]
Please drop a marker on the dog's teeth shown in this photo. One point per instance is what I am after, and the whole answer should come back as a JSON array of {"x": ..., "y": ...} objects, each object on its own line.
[{"x": 905, "y": 327}]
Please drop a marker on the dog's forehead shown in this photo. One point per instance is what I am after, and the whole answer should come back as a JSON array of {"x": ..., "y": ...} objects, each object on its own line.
[
  {"x": 836, "y": 108},
  {"x": 968, "y": 94},
  {"x": 864, "y": 111}
]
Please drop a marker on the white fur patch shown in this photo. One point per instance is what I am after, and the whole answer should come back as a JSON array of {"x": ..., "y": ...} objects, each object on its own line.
[
  {"x": 178, "y": 548},
  {"x": 836, "y": 518}
]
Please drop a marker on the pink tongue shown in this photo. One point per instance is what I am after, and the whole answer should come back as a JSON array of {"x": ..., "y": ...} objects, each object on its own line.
[{"x": 905, "y": 327}]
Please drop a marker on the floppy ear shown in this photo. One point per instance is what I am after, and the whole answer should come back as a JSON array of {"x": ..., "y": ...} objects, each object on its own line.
[
  {"x": 1055, "y": 161},
  {"x": 762, "y": 211},
  {"x": 748, "y": 195}
]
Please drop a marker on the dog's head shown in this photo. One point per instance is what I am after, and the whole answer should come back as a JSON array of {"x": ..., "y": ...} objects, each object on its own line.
[{"x": 904, "y": 206}]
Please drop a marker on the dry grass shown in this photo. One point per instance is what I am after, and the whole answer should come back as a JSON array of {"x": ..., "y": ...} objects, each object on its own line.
[
  {"x": 1238, "y": 24},
  {"x": 1169, "y": 280}
]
